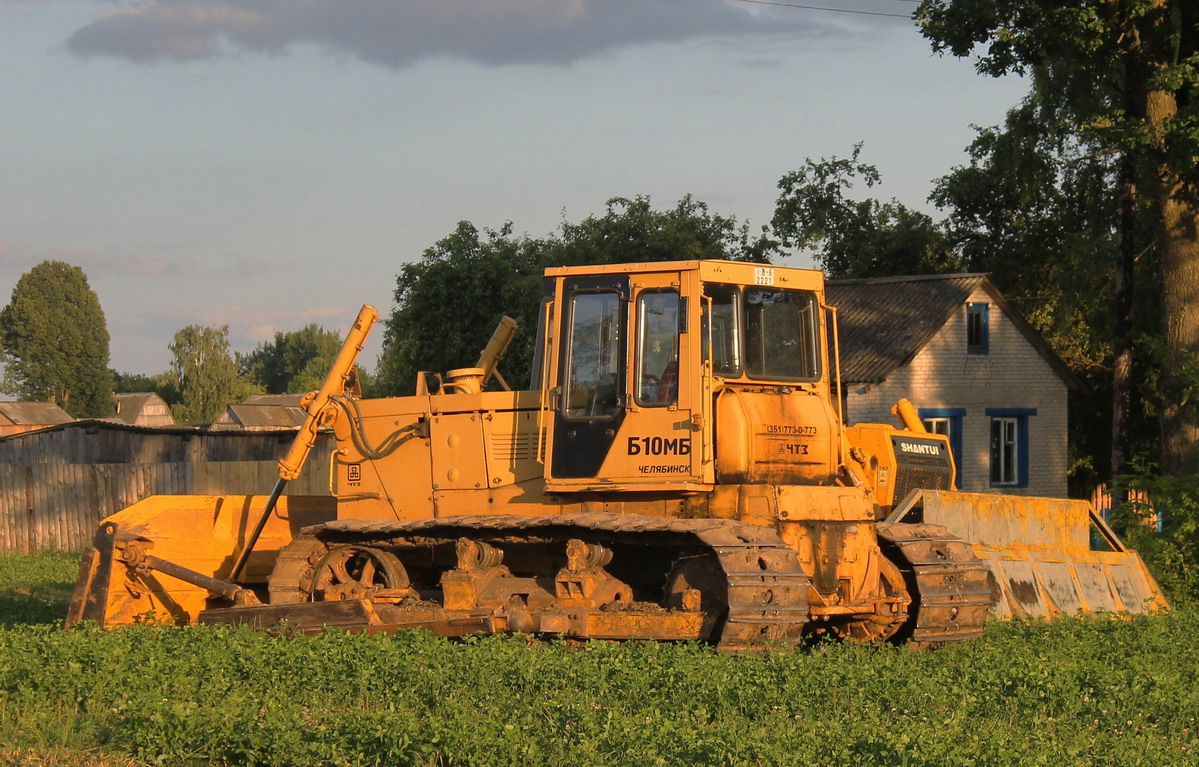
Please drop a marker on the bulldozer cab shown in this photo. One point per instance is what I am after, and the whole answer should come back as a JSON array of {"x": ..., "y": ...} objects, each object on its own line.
[{"x": 642, "y": 364}]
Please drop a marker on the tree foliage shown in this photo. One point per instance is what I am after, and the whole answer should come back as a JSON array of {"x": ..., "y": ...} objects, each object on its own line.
[
  {"x": 295, "y": 361},
  {"x": 856, "y": 238},
  {"x": 56, "y": 341},
  {"x": 1123, "y": 77},
  {"x": 163, "y": 384},
  {"x": 205, "y": 374},
  {"x": 448, "y": 303},
  {"x": 631, "y": 230},
  {"x": 1037, "y": 209},
  {"x": 1034, "y": 207}
]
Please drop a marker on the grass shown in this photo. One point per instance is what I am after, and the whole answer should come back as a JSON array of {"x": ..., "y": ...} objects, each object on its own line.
[
  {"x": 36, "y": 589},
  {"x": 1076, "y": 692}
]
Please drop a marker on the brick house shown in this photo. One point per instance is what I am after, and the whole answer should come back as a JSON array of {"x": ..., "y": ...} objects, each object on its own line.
[{"x": 972, "y": 366}]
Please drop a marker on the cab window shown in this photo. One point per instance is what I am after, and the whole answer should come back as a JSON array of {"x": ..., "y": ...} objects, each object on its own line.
[
  {"x": 781, "y": 335},
  {"x": 593, "y": 365},
  {"x": 657, "y": 348},
  {"x": 722, "y": 329}
]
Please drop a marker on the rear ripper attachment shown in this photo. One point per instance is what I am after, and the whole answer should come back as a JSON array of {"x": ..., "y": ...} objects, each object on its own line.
[{"x": 588, "y": 575}]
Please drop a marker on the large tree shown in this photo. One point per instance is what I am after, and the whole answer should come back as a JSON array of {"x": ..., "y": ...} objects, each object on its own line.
[
  {"x": 1125, "y": 75},
  {"x": 1032, "y": 208},
  {"x": 852, "y": 237},
  {"x": 631, "y": 230},
  {"x": 205, "y": 373},
  {"x": 1037, "y": 208},
  {"x": 56, "y": 341},
  {"x": 448, "y": 302},
  {"x": 294, "y": 361}
]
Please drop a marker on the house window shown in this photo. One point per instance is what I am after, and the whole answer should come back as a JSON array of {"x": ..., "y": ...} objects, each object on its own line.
[
  {"x": 1003, "y": 450},
  {"x": 937, "y": 425},
  {"x": 947, "y": 421},
  {"x": 977, "y": 332},
  {"x": 1009, "y": 446}
]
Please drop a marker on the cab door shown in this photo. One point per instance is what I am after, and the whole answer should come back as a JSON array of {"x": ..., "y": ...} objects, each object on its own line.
[
  {"x": 629, "y": 384},
  {"x": 591, "y": 376}
]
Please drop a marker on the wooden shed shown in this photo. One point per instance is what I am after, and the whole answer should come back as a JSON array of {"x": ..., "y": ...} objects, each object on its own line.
[
  {"x": 17, "y": 417},
  {"x": 263, "y": 412},
  {"x": 142, "y": 409},
  {"x": 56, "y": 484}
]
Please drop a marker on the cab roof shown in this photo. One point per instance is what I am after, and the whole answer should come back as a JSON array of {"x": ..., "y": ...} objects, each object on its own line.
[{"x": 711, "y": 270}]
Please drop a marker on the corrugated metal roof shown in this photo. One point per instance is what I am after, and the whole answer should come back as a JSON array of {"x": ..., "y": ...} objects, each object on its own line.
[
  {"x": 98, "y": 424},
  {"x": 34, "y": 413},
  {"x": 287, "y": 400},
  {"x": 262, "y": 416},
  {"x": 884, "y": 321},
  {"x": 132, "y": 401}
]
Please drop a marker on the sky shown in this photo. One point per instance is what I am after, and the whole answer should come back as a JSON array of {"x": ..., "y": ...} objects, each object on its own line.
[{"x": 266, "y": 164}]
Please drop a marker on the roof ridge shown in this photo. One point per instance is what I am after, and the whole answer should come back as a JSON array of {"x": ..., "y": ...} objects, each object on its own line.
[{"x": 908, "y": 278}]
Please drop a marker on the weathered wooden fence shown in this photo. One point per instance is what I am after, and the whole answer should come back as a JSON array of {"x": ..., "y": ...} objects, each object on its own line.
[
  {"x": 45, "y": 505},
  {"x": 1101, "y": 499}
]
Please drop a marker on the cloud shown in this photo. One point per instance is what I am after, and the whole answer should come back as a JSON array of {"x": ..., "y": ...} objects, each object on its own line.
[
  {"x": 96, "y": 262},
  {"x": 251, "y": 325},
  {"x": 762, "y": 63},
  {"x": 401, "y": 33}
]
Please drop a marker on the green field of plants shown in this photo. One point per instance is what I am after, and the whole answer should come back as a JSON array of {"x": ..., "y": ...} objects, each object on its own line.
[{"x": 1075, "y": 692}]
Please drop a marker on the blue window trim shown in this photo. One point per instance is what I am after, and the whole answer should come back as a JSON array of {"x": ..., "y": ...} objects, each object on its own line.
[
  {"x": 984, "y": 311},
  {"x": 1021, "y": 414},
  {"x": 955, "y": 416}
]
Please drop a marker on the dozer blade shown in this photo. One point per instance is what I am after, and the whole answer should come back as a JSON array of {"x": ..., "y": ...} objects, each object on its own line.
[
  {"x": 1049, "y": 556},
  {"x": 202, "y": 533}
]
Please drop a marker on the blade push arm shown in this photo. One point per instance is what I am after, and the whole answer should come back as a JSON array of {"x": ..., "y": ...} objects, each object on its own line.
[
  {"x": 293, "y": 463},
  {"x": 315, "y": 405}
]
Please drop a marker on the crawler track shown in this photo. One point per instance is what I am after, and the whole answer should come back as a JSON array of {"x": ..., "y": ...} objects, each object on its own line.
[
  {"x": 755, "y": 591},
  {"x": 952, "y": 591}
]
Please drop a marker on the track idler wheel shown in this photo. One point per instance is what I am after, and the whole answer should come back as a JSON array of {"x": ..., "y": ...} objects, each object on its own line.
[{"x": 358, "y": 572}]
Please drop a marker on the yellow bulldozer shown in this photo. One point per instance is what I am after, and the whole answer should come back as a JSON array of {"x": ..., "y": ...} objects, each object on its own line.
[{"x": 678, "y": 470}]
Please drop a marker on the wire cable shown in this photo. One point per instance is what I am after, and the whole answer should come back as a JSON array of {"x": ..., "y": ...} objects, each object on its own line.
[{"x": 831, "y": 10}]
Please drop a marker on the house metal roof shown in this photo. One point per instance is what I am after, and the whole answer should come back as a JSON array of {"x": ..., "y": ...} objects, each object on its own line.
[
  {"x": 286, "y": 400},
  {"x": 885, "y": 321},
  {"x": 96, "y": 425},
  {"x": 261, "y": 417}
]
